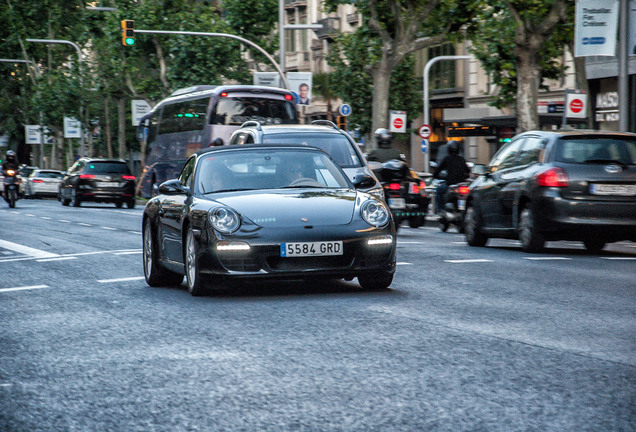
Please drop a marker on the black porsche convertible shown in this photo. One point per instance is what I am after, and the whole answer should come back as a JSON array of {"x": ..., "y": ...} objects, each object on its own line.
[{"x": 266, "y": 211}]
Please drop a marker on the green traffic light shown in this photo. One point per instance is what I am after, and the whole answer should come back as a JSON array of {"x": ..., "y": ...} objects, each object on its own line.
[{"x": 130, "y": 41}]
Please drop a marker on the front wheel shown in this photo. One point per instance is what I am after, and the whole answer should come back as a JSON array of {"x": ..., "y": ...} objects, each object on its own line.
[
  {"x": 594, "y": 245},
  {"x": 473, "y": 228},
  {"x": 196, "y": 287},
  {"x": 155, "y": 274},
  {"x": 130, "y": 204},
  {"x": 375, "y": 281},
  {"x": 75, "y": 201},
  {"x": 12, "y": 198},
  {"x": 531, "y": 239}
]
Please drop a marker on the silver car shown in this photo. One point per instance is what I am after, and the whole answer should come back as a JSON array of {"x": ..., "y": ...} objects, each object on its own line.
[
  {"x": 322, "y": 134},
  {"x": 43, "y": 182}
]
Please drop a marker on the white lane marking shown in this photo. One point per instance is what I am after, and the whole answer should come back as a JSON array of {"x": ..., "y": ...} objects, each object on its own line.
[
  {"x": 135, "y": 232},
  {"x": 546, "y": 258},
  {"x": 460, "y": 242},
  {"x": 63, "y": 258},
  {"x": 403, "y": 263},
  {"x": 462, "y": 261},
  {"x": 29, "y": 215},
  {"x": 71, "y": 255},
  {"x": 23, "y": 288},
  {"x": 619, "y": 258},
  {"x": 409, "y": 242},
  {"x": 127, "y": 253},
  {"x": 84, "y": 224},
  {"x": 7, "y": 253},
  {"x": 121, "y": 279},
  {"x": 109, "y": 228},
  {"x": 64, "y": 221},
  {"x": 45, "y": 217},
  {"x": 35, "y": 253}
]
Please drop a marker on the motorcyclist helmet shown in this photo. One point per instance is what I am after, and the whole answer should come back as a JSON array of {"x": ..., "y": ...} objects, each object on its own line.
[
  {"x": 453, "y": 147},
  {"x": 11, "y": 156},
  {"x": 383, "y": 137}
]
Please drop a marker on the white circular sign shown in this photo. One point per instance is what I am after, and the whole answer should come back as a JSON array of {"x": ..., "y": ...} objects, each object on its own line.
[{"x": 425, "y": 131}]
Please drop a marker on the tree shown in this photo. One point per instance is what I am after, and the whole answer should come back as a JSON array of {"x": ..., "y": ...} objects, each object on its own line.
[
  {"x": 397, "y": 28},
  {"x": 521, "y": 42}
]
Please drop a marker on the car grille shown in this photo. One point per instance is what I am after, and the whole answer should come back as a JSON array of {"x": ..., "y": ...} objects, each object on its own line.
[
  {"x": 240, "y": 264},
  {"x": 309, "y": 263}
]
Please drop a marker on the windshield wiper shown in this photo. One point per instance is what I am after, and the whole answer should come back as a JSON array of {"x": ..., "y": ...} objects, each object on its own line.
[
  {"x": 228, "y": 190},
  {"x": 302, "y": 187}
]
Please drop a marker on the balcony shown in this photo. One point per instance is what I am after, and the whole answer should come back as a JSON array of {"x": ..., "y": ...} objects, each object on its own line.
[
  {"x": 353, "y": 19},
  {"x": 330, "y": 27},
  {"x": 289, "y": 4}
]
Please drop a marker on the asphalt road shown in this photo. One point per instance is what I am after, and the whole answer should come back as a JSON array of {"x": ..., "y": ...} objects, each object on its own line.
[{"x": 466, "y": 339}]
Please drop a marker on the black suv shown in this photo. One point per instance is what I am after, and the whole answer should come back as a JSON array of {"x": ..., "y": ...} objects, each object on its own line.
[
  {"x": 98, "y": 180},
  {"x": 322, "y": 134},
  {"x": 546, "y": 186}
]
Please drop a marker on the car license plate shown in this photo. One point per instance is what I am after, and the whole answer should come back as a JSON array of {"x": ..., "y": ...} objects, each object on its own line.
[
  {"x": 107, "y": 184},
  {"x": 326, "y": 248},
  {"x": 461, "y": 204},
  {"x": 397, "y": 203},
  {"x": 613, "y": 189}
]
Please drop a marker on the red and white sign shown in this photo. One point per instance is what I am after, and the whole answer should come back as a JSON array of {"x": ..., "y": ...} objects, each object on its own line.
[
  {"x": 397, "y": 121},
  {"x": 425, "y": 131},
  {"x": 575, "y": 105}
]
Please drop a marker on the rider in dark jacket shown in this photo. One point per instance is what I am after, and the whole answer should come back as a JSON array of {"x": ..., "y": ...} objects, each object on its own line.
[
  {"x": 385, "y": 151},
  {"x": 10, "y": 162},
  {"x": 456, "y": 169}
]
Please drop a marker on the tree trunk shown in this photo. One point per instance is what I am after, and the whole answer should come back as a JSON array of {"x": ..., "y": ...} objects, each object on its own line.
[
  {"x": 109, "y": 143},
  {"x": 121, "y": 120},
  {"x": 527, "y": 89},
  {"x": 381, "y": 84}
]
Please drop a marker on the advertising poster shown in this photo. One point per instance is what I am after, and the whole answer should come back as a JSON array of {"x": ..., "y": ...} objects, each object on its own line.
[
  {"x": 596, "y": 24},
  {"x": 300, "y": 84}
]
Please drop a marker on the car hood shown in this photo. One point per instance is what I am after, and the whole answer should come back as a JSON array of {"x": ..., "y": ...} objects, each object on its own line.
[{"x": 288, "y": 208}]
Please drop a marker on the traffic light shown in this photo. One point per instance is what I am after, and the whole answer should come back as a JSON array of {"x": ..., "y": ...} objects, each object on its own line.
[
  {"x": 341, "y": 121},
  {"x": 127, "y": 32}
]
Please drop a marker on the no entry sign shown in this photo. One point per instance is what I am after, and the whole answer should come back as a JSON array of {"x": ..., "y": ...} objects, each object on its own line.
[
  {"x": 575, "y": 105},
  {"x": 397, "y": 121}
]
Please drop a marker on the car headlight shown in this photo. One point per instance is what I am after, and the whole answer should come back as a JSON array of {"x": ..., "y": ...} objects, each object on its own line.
[
  {"x": 224, "y": 220},
  {"x": 375, "y": 213}
]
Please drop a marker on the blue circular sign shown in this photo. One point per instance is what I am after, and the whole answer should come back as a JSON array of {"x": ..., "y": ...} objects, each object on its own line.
[
  {"x": 424, "y": 146},
  {"x": 344, "y": 109}
]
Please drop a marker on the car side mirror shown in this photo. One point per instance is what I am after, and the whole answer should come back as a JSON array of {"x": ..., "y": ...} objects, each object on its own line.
[
  {"x": 363, "y": 181},
  {"x": 173, "y": 187},
  {"x": 479, "y": 169}
]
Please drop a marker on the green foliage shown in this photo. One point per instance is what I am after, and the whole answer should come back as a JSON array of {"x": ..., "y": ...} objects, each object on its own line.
[{"x": 492, "y": 34}]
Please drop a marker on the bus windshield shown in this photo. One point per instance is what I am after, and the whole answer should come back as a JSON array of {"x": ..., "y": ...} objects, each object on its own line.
[{"x": 238, "y": 110}]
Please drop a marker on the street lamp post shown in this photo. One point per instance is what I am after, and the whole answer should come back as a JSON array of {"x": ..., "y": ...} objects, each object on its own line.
[
  {"x": 282, "y": 27},
  {"x": 79, "y": 64},
  {"x": 427, "y": 69},
  {"x": 246, "y": 41}
]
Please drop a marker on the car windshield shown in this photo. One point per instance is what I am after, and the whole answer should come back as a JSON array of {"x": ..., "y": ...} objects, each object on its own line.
[
  {"x": 267, "y": 169},
  {"x": 49, "y": 174},
  {"x": 238, "y": 110},
  {"x": 107, "y": 168},
  {"x": 337, "y": 145},
  {"x": 590, "y": 150}
]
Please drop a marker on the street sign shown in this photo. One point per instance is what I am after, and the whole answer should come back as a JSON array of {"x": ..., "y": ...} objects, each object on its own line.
[
  {"x": 575, "y": 104},
  {"x": 344, "y": 109},
  {"x": 425, "y": 131},
  {"x": 397, "y": 121},
  {"x": 72, "y": 128},
  {"x": 424, "y": 146},
  {"x": 139, "y": 109}
]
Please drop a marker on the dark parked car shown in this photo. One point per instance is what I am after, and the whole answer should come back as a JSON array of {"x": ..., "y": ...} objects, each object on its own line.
[
  {"x": 322, "y": 134},
  {"x": 98, "y": 180},
  {"x": 266, "y": 211},
  {"x": 544, "y": 186}
]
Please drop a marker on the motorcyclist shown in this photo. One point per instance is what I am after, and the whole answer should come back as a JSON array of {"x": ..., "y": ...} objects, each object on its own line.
[
  {"x": 384, "y": 152},
  {"x": 456, "y": 169},
  {"x": 10, "y": 162}
]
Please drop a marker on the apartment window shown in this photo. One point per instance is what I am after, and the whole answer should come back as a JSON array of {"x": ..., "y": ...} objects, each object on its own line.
[{"x": 443, "y": 73}]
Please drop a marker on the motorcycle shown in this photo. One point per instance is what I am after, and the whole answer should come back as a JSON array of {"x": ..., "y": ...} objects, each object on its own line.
[
  {"x": 455, "y": 206},
  {"x": 405, "y": 193},
  {"x": 11, "y": 184}
]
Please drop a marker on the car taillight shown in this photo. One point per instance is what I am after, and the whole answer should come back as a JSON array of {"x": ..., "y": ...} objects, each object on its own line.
[
  {"x": 288, "y": 97},
  {"x": 38, "y": 181},
  {"x": 554, "y": 177},
  {"x": 87, "y": 176},
  {"x": 223, "y": 94},
  {"x": 463, "y": 190},
  {"x": 394, "y": 186},
  {"x": 127, "y": 177},
  {"x": 414, "y": 188}
]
